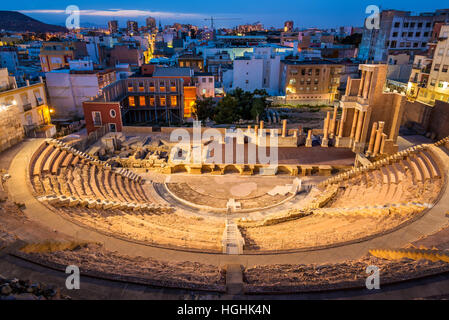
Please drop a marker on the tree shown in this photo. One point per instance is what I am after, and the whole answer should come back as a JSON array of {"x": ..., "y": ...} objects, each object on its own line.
[
  {"x": 258, "y": 108},
  {"x": 226, "y": 110},
  {"x": 204, "y": 109}
]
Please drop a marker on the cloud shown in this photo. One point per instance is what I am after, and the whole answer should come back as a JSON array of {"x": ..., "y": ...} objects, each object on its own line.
[{"x": 117, "y": 13}]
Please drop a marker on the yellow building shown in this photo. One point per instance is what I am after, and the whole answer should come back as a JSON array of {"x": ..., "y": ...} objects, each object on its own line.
[{"x": 31, "y": 102}]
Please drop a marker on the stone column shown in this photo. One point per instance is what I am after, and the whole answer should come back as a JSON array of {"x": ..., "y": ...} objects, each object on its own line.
[
  {"x": 382, "y": 143},
  {"x": 379, "y": 133},
  {"x": 354, "y": 123},
  {"x": 372, "y": 139},
  {"x": 359, "y": 126},
  {"x": 362, "y": 80},
  {"x": 333, "y": 122},
  {"x": 309, "y": 139},
  {"x": 342, "y": 123},
  {"x": 325, "y": 141},
  {"x": 284, "y": 128},
  {"x": 368, "y": 77}
]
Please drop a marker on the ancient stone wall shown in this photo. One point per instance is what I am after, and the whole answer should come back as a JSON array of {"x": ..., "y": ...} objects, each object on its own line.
[{"x": 11, "y": 130}]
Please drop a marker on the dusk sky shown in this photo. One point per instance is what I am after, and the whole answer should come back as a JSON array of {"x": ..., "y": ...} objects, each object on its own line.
[{"x": 304, "y": 13}]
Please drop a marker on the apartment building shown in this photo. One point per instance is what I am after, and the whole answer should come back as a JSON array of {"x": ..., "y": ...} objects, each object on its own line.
[
  {"x": 205, "y": 84},
  {"x": 310, "y": 81},
  {"x": 68, "y": 88},
  {"x": 429, "y": 80},
  {"x": 259, "y": 70},
  {"x": 30, "y": 102},
  {"x": 399, "y": 30},
  {"x": 56, "y": 55}
]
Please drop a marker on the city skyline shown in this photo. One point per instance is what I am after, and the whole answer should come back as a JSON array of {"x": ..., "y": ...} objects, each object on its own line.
[{"x": 329, "y": 13}]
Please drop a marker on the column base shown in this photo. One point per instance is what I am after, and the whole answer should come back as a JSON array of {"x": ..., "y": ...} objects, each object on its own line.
[
  {"x": 308, "y": 143},
  {"x": 325, "y": 143},
  {"x": 359, "y": 147},
  {"x": 343, "y": 142}
]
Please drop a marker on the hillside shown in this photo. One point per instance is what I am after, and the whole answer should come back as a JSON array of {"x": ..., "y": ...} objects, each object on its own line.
[{"x": 16, "y": 21}]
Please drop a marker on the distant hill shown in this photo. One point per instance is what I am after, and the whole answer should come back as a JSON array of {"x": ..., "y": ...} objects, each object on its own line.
[{"x": 16, "y": 21}]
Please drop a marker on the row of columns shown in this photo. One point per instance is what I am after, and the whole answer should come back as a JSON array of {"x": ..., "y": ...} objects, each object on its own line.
[
  {"x": 377, "y": 138},
  {"x": 365, "y": 84}
]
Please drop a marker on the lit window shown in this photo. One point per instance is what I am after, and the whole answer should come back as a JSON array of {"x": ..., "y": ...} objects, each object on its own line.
[
  {"x": 162, "y": 99},
  {"x": 132, "y": 102},
  {"x": 152, "y": 101},
  {"x": 142, "y": 101},
  {"x": 173, "y": 101}
]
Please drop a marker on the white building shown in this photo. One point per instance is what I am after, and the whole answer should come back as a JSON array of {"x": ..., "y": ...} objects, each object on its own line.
[
  {"x": 258, "y": 70},
  {"x": 205, "y": 84},
  {"x": 68, "y": 89}
]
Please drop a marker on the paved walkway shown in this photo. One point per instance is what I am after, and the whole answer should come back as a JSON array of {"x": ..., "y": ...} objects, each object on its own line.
[{"x": 20, "y": 192}]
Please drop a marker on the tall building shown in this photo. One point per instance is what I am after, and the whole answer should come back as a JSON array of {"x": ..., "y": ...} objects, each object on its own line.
[
  {"x": 132, "y": 26},
  {"x": 399, "y": 30},
  {"x": 151, "y": 23},
  {"x": 113, "y": 26},
  {"x": 288, "y": 26}
]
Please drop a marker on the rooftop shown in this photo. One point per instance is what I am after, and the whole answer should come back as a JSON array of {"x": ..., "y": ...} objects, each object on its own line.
[{"x": 172, "y": 72}]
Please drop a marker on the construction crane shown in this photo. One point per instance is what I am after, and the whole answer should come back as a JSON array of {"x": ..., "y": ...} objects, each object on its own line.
[{"x": 212, "y": 19}]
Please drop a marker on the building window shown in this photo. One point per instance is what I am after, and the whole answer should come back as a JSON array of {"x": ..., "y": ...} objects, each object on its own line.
[
  {"x": 203, "y": 80},
  {"x": 395, "y": 34},
  {"x": 152, "y": 101},
  {"x": 428, "y": 24},
  {"x": 162, "y": 100},
  {"x": 131, "y": 101},
  {"x": 173, "y": 101},
  {"x": 112, "y": 127},
  {"x": 151, "y": 87},
  {"x": 418, "y": 34},
  {"x": 130, "y": 88},
  {"x": 437, "y": 67},
  {"x": 96, "y": 117},
  {"x": 317, "y": 72},
  {"x": 112, "y": 113},
  {"x": 441, "y": 52},
  {"x": 162, "y": 87},
  {"x": 420, "y": 25},
  {"x": 141, "y": 88},
  {"x": 39, "y": 100},
  {"x": 397, "y": 24},
  {"x": 405, "y": 24},
  {"x": 445, "y": 68},
  {"x": 292, "y": 81},
  {"x": 142, "y": 101}
]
